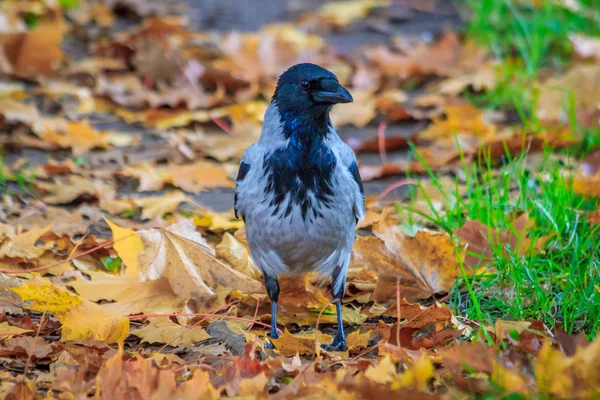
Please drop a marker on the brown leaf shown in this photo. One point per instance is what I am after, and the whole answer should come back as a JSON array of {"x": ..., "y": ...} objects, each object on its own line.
[
  {"x": 482, "y": 241},
  {"x": 583, "y": 80},
  {"x": 424, "y": 265},
  {"x": 26, "y": 346},
  {"x": 418, "y": 317},
  {"x": 74, "y": 188},
  {"x": 36, "y": 52},
  {"x": 163, "y": 330}
]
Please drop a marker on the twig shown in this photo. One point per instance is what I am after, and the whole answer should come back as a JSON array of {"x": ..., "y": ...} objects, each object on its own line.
[{"x": 37, "y": 269}]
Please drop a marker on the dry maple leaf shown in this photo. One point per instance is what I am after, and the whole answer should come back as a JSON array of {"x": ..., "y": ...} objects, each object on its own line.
[
  {"x": 79, "y": 136},
  {"x": 183, "y": 256},
  {"x": 359, "y": 113},
  {"x": 130, "y": 296},
  {"x": 74, "y": 188},
  {"x": 80, "y": 318},
  {"x": 36, "y": 52},
  {"x": 342, "y": 13},
  {"x": 141, "y": 379},
  {"x": 23, "y": 245},
  {"x": 237, "y": 255},
  {"x": 483, "y": 241},
  {"x": 582, "y": 83},
  {"x": 446, "y": 57},
  {"x": 9, "y": 330},
  {"x": 418, "y": 317},
  {"x": 309, "y": 342},
  {"x": 192, "y": 178},
  {"x": 70, "y": 222},
  {"x": 459, "y": 120},
  {"x": 419, "y": 266},
  {"x": 26, "y": 346},
  {"x": 163, "y": 330}
]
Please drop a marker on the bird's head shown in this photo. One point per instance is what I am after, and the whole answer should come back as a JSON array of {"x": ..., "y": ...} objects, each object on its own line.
[{"x": 307, "y": 90}]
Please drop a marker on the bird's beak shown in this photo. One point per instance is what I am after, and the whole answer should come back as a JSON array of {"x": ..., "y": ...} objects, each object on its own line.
[{"x": 333, "y": 93}]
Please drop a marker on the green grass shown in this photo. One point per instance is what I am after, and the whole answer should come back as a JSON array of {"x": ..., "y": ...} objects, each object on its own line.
[
  {"x": 22, "y": 177},
  {"x": 558, "y": 285},
  {"x": 528, "y": 42}
]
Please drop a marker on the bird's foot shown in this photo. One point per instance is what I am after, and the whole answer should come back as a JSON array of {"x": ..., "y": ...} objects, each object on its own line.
[
  {"x": 338, "y": 344},
  {"x": 273, "y": 335}
]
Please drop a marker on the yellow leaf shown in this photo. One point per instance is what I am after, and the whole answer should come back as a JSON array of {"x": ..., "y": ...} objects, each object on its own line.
[
  {"x": 159, "y": 205},
  {"x": 418, "y": 374},
  {"x": 130, "y": 295},
  {"x": 551, "y": 372},
  {"x": 80, "y": 136},
  {"x": 507, "y": 379},
  {"x": 384, "y": 372},
  {"x": 163, "y": 330},
  {"x": 302, "y": 343},
  {"x": 23, "y": 245},
  {"x": 344, "y": 12},
  {"x": 237, "y": 255},
  {"x": 357, "y": 340},
  {"x": 7, "y": 330},
  {"x": 185, "y": 258},
  {"x": 81, "y": 319},
  {"x": 128, "y": 246}
]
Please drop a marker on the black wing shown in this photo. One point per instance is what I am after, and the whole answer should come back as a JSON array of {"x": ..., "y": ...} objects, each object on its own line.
[
  {"x": 243, "y": 171},
  {"x": 353, "y": 168}
]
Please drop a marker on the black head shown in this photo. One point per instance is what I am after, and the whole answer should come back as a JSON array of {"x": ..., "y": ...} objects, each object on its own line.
[{"x": 307, "y": 89}]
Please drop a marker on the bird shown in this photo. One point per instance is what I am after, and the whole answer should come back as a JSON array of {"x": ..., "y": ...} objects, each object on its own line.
[{"x": 299, "y": 190}]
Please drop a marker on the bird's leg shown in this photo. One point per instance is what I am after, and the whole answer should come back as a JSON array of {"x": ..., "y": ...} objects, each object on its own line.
[
  {"x": 338, "y": 290},
  {"x": 272, "y": 285}
]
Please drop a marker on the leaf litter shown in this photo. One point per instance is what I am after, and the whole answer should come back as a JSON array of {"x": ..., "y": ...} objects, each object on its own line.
[{"x": 184, "y": 314}]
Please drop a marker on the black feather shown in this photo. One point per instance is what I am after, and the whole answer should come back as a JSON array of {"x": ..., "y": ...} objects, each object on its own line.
[{"x": 243, "y": 171}]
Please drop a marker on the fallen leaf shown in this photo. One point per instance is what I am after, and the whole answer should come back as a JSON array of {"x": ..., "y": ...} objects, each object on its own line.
[
  {"x": 385, "y": 371},
  {"x": 483, "y": 241},
  {"x": 81, "y": 137},
  {"x": 128, "y": 246},
  {"x": 80, "y": 318},
  {"x": 302, "y": 343},
  {"x": 342, "y": 13},
  {"x": 459, "y": 120},
  {"x": 238, "y": 256},
  {"x": 183, "y": 256},
  {"x": 36, "y": 52},
  {"x": 193, "y": 178},
  {"x": 422, "y": 265},
  {"x": 24, "y": 245},
  {"x": 163, "y": 330},
  {"x": 130, "y": 296},
  {"x": 158, "y": 206},
  {"x": 9, "y": 330},
  {"x": 36, "y": 347},
  {"x": 581, "y": 84},
  {"x": 418, "y": 316},
  {"x": 359, "y": 113},
  {"x": 73, "y": 188}
]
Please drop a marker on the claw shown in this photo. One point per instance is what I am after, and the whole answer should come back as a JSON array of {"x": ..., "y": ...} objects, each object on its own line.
[{"x": 338, "y": 344}]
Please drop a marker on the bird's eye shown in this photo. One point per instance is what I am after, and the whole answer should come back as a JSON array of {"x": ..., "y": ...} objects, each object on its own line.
[{"x": 305, "y": 84}]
